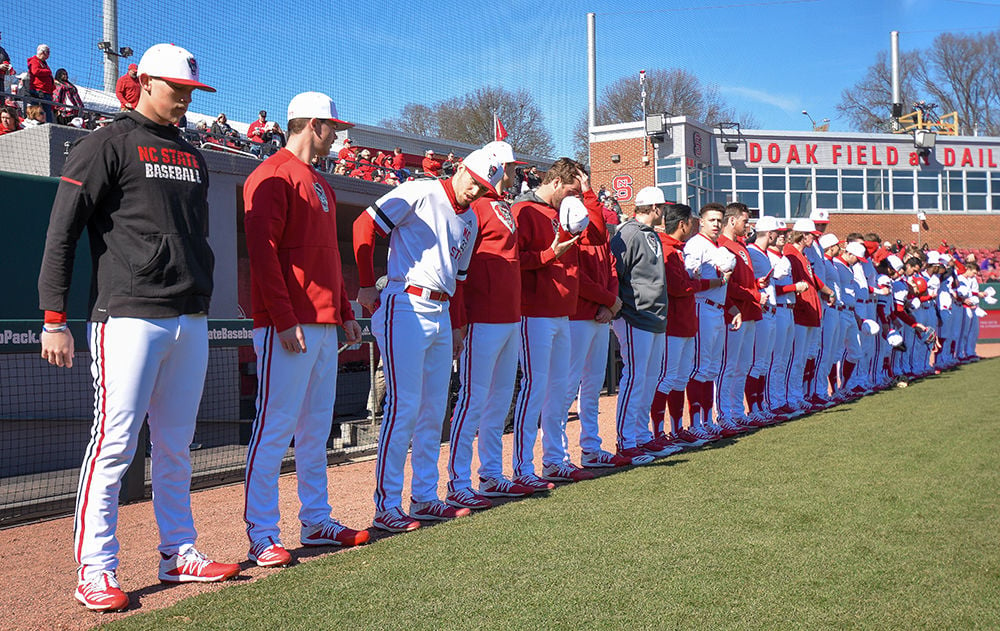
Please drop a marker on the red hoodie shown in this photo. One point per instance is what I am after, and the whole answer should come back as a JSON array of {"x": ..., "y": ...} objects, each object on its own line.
[
  {"x": 598, "y": 278},
  {"x": 741, "y": 290},
  {"x": 807, "y": 310},
  {"x": 550, "y": 286},
  {"x": 682, "y": 317},
  {"x": 492, "y": 290}
]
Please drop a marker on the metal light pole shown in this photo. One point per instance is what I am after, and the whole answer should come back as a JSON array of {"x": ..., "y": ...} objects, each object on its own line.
[{"x": 111, "y": 36}]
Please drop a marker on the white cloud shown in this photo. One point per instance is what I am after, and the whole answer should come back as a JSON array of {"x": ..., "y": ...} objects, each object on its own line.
[{"x": 789, "y": 104}]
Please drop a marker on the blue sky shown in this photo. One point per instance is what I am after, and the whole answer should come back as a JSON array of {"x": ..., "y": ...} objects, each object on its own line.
[{"x": 771, "y": 58}]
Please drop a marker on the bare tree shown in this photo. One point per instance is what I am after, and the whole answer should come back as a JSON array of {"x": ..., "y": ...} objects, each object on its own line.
[
  {"x": 672, "y": 90},
  {"x": 469, "y": 119},
  {"x": 959, "y": 73}
]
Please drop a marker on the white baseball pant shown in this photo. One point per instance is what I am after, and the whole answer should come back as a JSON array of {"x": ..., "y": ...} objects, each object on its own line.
[
  {"x": 642, "y": 359},
  {"x": 737, "y": 357},
  {"x": 805, "y": 339},
  {"x": 295, "y": 397},
  {"x": 678, "y": 362},
  {"x": 487, "y": 368},
  {"x": 781, "y": 358},
  {"x": 155, "y": 366},
  {"x": 542, "y": 397},
  {"x": 588, "y": 363},
  {"x": 415, "y": 338}
]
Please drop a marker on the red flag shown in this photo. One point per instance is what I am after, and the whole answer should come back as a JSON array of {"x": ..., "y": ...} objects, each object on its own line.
[{"x": 499, "y": 133}]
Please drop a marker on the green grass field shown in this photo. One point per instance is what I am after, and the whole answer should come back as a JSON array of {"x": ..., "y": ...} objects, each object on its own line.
[{"x": 882, "y": 514}]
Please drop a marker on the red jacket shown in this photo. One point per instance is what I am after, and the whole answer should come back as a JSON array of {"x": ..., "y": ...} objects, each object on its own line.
[
  {"x": 807, "y": 310},
  {"x": 255, "y": 133},
  {"x": 491, "y": 292},
  {"x": 127, "y": 90},
  {"x": 347, "y": 153},
  {"x": 41, "y": 75},
  {"x": 596, "y": 271},
  {"x": 431, "y": 166},
  {"x": 398, "y": 161},
  {"x": 291, "y": 233},
  {"x": 550, "y": 286},
  {"x": 682, "y": 317},
  {"x": 741, "y": 290}
]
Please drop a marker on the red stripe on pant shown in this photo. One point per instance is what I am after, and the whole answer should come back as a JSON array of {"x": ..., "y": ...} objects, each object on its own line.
[
  {"x": 102, "y": 394},
  {"x": 462, "y": 406},
  {"x": 519, "y": 416},
  {"x": 626, "y": 392},
  {"x": 389, "y": 419},
  {"x": 258, "y": 427}
]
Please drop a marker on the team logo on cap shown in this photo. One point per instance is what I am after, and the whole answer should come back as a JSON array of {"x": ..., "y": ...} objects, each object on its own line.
[
  {"x": 493, "y": 171},
  {"x": 193, "y": 66},
  {"x": 502, "y": 211},
  {"x": 322, "y": 196}
]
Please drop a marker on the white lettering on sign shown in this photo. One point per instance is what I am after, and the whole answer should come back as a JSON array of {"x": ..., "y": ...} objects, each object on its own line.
[{"x": 18, "y": 337}]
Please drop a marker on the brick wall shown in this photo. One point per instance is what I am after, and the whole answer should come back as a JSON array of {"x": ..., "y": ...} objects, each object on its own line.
[
  {"x": 604, "y": 171},
  {"x": 968, "y": 231}
]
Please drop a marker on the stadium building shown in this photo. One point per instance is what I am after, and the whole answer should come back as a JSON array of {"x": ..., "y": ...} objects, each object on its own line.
[{"x": 867, "y": 182}]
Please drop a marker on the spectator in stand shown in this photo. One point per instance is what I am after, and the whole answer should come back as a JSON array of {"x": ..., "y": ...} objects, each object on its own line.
[
  {"x": 449, "y": 165},
  {"x": 202, "y": 130},
  {"x": 603, "y": 193},
  {"x": 222, "y": 130},
  {"x": 347, "y": 155},
  {"x": 8, "y": 121},
  {"x": 399, "y": 164},
  {"x": 6, "y": 69},
  {"x": 35, "y": 116},
  {"x": 68, "y": 96},
  {"x": 533, "y": 177},
  {"x": 365, "y": 169},
  {"x": 127, "y": 88},
  {"x": 259, "y": 130},
  {"x": 431, "y": 166},
  {"x": 611, "y": 216},
  {"x": 40, "y": 82}
]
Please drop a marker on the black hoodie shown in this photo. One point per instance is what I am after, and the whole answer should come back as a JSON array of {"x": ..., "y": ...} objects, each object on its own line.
[{"x": 141, "y": 191}]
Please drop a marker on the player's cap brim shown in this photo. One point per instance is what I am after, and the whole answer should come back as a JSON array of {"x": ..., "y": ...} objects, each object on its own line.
[
  {"x": 188, "y": 82},
  {"x": 340, "y": 124},
  {"x": 484, "y": 182}
]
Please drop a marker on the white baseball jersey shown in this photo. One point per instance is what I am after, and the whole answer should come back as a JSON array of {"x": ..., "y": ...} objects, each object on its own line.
[
  {"x": 698, "y": 252},
  {"x": 430, "y": 238}
]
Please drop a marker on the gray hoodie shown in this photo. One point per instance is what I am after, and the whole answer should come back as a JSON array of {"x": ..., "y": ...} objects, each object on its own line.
[{"x": 642, "y": 283}]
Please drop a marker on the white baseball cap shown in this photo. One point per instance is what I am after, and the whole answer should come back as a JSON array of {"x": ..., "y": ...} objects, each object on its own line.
[
  {"x": 804, "y": 225},
  {"x": 503, "y": 151},
  {"x": 173, "y": 64},
  {"x": 820, "y": 216},
  {"x": 766, "y": 224},
  {"x": 782, "y": 225},
  {"x": 933, "y": 257},
  {"x": 315, "y": 105},
  {"x": 485, "y": 167},
  {"x": 828, "y": 240},
  {"x": 895, "y": 262},
  {"x": 649, "y": 196},
  {"x": 856, "y": 248}
]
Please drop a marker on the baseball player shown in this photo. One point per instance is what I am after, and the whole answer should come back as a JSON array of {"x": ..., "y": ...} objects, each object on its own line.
[
  {"x": 785, "y": 292},
  {"x": 766, "y": 231},
  {"x": 679, "y": 225},
  {"x": 742, "y": 295},
  {"x": 431, "y": 236},
  {"x": 299, "y": 300},
  {"x": 489, "y": 305},
  {"x": 641, "y": 327},
  {"x": 549, "y": 292},
  {"x": 865, "y": 280},
  {"x": 830, "y": 348},
  {"x": 141, "y": 191},
  {"x": 589, "y": 327},
  {"x": 702, "y": 256},
  {"x": 816, "y": 257},
  {"x": 806, "y": 314},
  {"x": 850, "y": 324}
]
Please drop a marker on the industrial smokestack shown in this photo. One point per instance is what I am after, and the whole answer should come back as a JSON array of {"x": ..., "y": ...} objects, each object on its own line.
[{"x": 897, "y": 99}]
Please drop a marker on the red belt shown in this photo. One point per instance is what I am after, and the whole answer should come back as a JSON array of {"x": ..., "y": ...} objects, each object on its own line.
[
  {"x": 713, "y": 303},
  {"x": 427, "y": 294}
]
